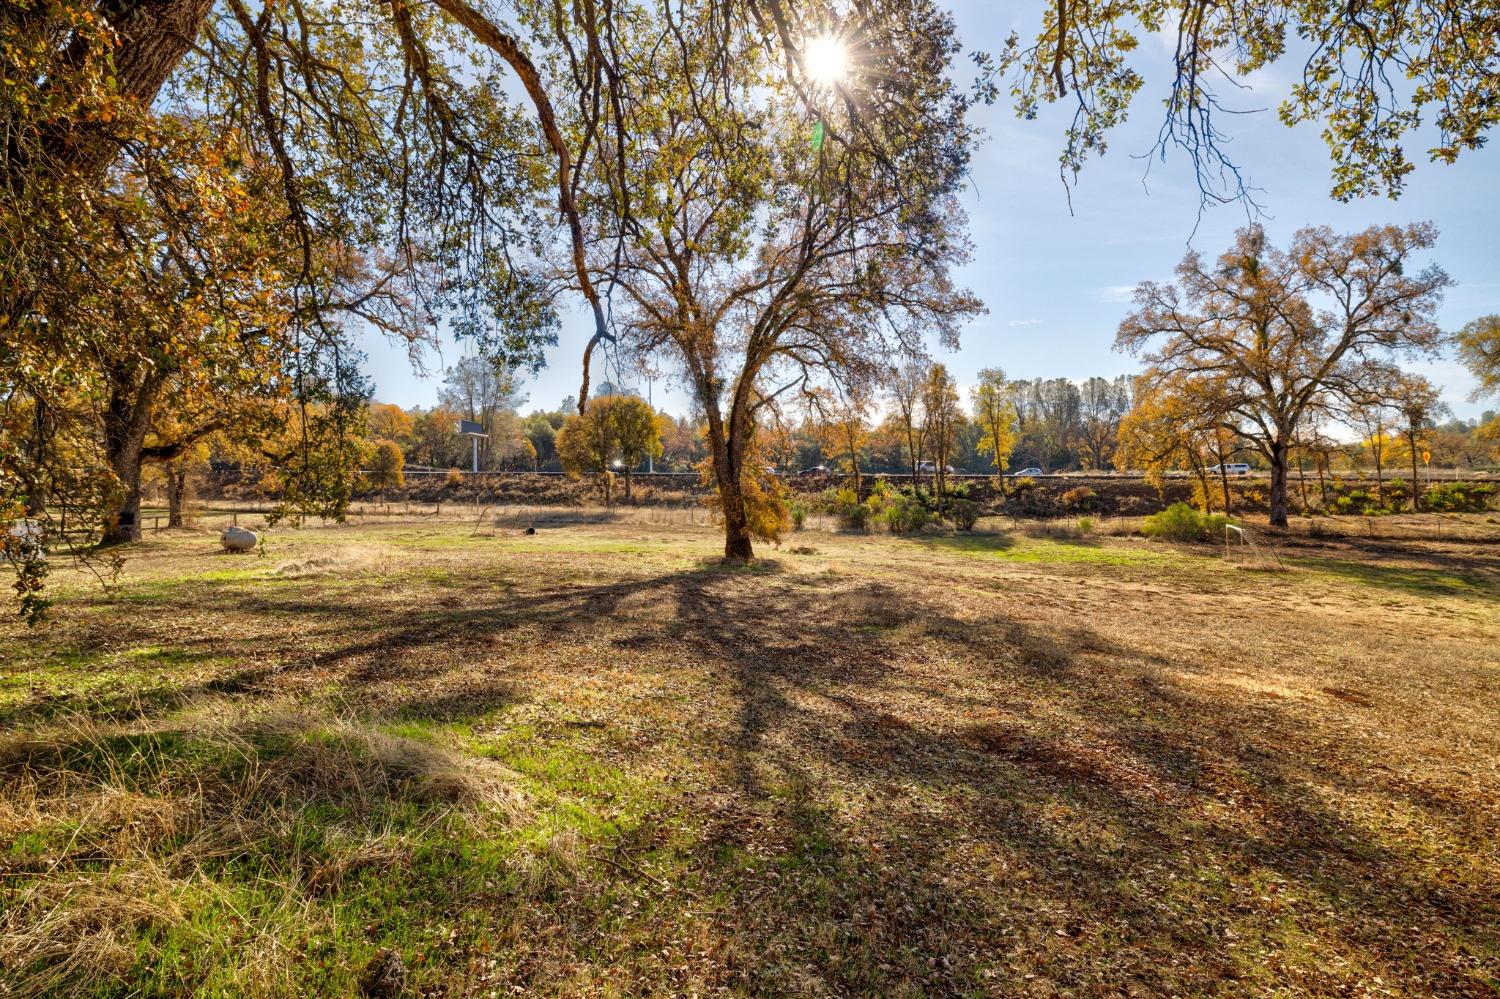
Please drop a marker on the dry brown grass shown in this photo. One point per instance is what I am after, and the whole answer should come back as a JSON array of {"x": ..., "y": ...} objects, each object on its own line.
[{"x": 596, "y": 761}]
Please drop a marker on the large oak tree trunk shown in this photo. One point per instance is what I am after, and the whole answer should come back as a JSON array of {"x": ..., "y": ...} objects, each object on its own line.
[
  {"x": 127, "y": 417},
  {"x": 1278, "y": 485},
  {"x": 736, "y": 524},
  {"x": 124, "y": 524},
  {"x": 728, "y": 447}
]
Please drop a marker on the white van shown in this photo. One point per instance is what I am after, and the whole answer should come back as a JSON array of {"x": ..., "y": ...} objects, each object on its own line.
[{"x": 1231, "y": 468}]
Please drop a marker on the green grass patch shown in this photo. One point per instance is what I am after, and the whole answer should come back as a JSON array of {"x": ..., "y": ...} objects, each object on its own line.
[
  {"x": 1408, "y": 579},
  {"x": 1051, "y": 551}
]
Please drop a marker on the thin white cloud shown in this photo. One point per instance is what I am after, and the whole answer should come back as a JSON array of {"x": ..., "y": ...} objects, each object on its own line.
[
  {"x": 1026, "y": 322},
  {"x": 1115, "y": 293}
]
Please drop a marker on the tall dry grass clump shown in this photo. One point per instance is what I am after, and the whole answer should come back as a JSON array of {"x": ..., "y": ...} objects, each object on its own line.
[{"x": 222, "y": 829}]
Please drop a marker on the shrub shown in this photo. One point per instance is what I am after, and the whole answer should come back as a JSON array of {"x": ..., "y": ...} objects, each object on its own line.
[
  {"x": 1397, "y": 490},
  {"x": 1180, "y": 522},
  {"x": 958, "y": 491},
  {"x": 1079, "y": 498},
  {"x": 1085, "y": 525},
  {"x": 1458, "y": 497},
  {"x": 799, "y": 516},
  {"x": 903, "y": 515},
  {"x": 1360, "y": 502},
  {"x": 845, "y": 505},
  {"x": 766, "y": 508},
  {"x": 965, "y": 514},
  {"x": 453, "y": 479},
  {"x": 855, "y": 517}
]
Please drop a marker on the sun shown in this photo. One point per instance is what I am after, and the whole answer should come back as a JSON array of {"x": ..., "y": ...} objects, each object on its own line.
[{"x": 825, "y": 59}]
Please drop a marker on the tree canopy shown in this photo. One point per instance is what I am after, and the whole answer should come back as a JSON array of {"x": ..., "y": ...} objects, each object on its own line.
[{"x": 1371, "y": 74}]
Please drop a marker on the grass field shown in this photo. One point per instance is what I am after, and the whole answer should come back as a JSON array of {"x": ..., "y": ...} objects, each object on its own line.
[{"x": 597, "y": 761}]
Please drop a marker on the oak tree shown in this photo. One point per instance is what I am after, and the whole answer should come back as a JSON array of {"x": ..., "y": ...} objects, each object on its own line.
[
  {"x": 1269, "y": 333},
  {"x": 785, "y": 236}
]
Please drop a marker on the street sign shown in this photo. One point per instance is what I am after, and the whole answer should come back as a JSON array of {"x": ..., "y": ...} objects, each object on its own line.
[
  {"x": 473, "y": 431},
  {"x": 1426, "y": 457}
]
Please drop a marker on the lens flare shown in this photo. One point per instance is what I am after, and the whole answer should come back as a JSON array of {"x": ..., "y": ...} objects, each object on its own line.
[{"x": 826, "y": 60}]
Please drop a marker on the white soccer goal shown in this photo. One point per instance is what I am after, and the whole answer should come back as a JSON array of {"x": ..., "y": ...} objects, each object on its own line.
[{"x": 1242, "y": 547}]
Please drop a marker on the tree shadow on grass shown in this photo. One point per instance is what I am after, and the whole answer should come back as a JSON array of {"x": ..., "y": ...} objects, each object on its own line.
[
  {"x": 1141, "y": 852},
  {"x": 1054, "y": 804},
  {"x": 893, "y": 796},
  {"x": 1449, "y": 581}
]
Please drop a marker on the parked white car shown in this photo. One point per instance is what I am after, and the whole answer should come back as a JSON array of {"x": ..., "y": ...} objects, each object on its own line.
[
  {"x": 1026, "y": 472},
  {"x": 1231, "y": 468}
]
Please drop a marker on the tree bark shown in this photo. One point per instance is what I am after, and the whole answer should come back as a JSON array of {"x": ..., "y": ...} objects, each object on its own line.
[
  {"x": 36, "y": 492},
  {"x": 727, "y": 446},
  {"x": 127, "y": 417},
  {"x": 737, "y": 542},
  {"x": 124, "y": 524},
  {"x": 176, "y": 491},
  {"x": 1278, "y": 485},
  {"x": 1416, "y": 485}
]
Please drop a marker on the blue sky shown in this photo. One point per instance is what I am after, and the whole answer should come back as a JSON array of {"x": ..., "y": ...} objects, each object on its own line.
[{"x": 1058, "y": 283}]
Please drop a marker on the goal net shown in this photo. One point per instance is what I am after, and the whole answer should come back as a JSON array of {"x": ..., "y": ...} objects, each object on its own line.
[{"x": 1244, "y": 548}]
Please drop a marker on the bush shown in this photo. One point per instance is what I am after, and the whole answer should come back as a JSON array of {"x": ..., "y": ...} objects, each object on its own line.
[
  {"x": 1085, "y": 525},
  {"x": 799, "y": 516},
  {"x": 903, "y": 515},
  {"x": 1180, "y": 522},
  {"x": 965, "y": 514},
  {"x": 958, "y": 490},
  {"x": 1079, "y": 498},
  {"x": 1458, "y": 497},
  {"x": 855, "y": 517},
  {"x": 766, "y": 508},
  {"x": 844, "y": 504},
  {"x": 1360, "y": 502},
  {"x": 453, "y": 479}
]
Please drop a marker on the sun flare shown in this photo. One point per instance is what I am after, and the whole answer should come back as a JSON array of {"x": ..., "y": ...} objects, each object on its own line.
[{"x": 826, "y": 60}]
